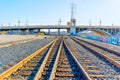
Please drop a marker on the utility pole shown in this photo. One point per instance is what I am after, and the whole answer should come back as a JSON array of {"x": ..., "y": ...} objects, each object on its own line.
[
  {"x": 72, "y": 11},
  {"x": 26, "y": 22},
  {"x": 27, "y": 27},
  {"x": 73, "y": 21},
  {"x": 100, "y": 22},
  {"x": 18, "y": 22},
  {"x": 9, "y": 25},
  {"x": 59, "y": 23},
  {"x": 112, "y": 24},
  {"x": 89, "y": 22},
  {"x": 1, "y": 25}
]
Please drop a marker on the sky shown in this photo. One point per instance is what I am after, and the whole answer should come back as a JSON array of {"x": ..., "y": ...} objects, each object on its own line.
[{"x": 48, "y": 12}]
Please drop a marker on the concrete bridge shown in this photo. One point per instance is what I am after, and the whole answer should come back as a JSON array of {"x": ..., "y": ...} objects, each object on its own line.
[{"x": 78, "y": 28}]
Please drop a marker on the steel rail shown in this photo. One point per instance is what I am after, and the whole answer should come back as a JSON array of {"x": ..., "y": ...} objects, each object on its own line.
[
  {"x": 102, "y": 47},
  {"x": 39, "y": 73},
  {"x": 7, "y": 73},
  {"x": 52, "y": 75},
  {"x": 112, "y": 61},
  {"x": 86, "y": 76}
]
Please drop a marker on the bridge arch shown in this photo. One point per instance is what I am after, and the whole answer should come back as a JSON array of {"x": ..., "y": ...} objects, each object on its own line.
[{"x": 94, "y": 32}]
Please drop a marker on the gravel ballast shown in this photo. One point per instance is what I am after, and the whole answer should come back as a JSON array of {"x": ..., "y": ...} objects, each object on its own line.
[{"x": 9, "y": 56}]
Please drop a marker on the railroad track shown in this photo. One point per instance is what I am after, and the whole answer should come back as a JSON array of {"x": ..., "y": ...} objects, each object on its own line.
[
  {"x": 45, "y": 71},
  {"x": 59, "y": 60},
  {"x": 66, "y": 68},
  {"x": 110, "y": 57},
  {"x": 28, "y": 67},
  {"x": 102, "y": 47},
  {"x": 60, "y": 66},
  {"x": 52, "y": 62},
  {"x": 90, "y": 66}
]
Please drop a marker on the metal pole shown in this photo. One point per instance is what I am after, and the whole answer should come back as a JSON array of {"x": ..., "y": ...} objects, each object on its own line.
[
  {"x": 9, "y": 25},
  {"x": 100, "y": 22}
]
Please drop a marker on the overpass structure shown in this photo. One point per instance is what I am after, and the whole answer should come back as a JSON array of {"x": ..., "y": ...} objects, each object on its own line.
[{"x": 78, "y": 28}]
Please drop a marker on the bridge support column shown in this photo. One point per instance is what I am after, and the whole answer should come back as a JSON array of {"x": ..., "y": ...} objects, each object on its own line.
[
  {"x": 30, "y": 31},
  {"x": 68, "y": 30},
  {"x": 72, "y": 31},
  {"x": 38, "y": 30},
  {"x": 58, "y": 31},
  {"x": 27, "y": 31},
  {"x": 106, "y": 30},
  {"x": 112, "y": 31},
  {"x": 101, "y": 28},
  {"x": 109, "y": 30},
  {"x": 73, "y": 28},
  {"x": 48, "y": 31},
  {"x": 117, "y": 30},
  {"x": 81, "y": 29},
  {"x": 23, "y": 31},
  {"x": 77, "y": 30}
]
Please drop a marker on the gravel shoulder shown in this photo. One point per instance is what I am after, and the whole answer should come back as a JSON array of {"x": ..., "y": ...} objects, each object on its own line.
[
  {"x": 13, "y": 38},
  {"x": 9, "y": 56}
]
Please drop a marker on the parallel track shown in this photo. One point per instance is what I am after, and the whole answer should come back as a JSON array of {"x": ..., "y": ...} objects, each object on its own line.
[
  {"x": 29, "y": 70},
  {"x": 90, "y": 66},
  {"x": 110, "y": 57},
  {"x": 52, "y": 63},
  {"x": 67, "y": 68},
  {"x": 28, "y": 67},
  {"x": 45, "y": 74},
  {"x": 60, "y": 65},
  {"x": 102, "y": 47},
  {"x": 63, "y": 60}
]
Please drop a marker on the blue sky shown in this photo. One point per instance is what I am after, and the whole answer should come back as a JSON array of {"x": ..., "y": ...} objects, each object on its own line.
[{"x": 49, "y": 11}]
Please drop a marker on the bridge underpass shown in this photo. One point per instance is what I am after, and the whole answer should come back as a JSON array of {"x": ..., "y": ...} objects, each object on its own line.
[
  {"x": 54, "y": 31},
  {"x": 94, "y": 32},
  {"x": 110, "y": 29}
]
